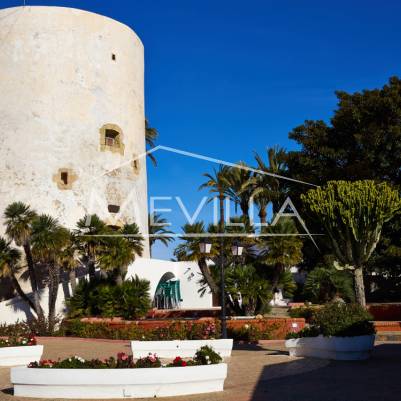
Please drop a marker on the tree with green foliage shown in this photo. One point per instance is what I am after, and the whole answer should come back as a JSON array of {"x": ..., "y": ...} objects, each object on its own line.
[
  {"x": 158, "y": 231},
  {"x": 248, "y": 292},
  {"x": 151, "y": 136},
  {"x": 49, "y": 239},
  {"x": 238, "y": 190},
  {"x": 89, "y": 233},
  {"x": 18, "y": 220},
  {"x": 282, "y": 248},
  {"x": 10, "y": 266},
  {"x": 352, "y": 215},
  {"x": 326, "y": 284},
  {"x": 362, "y": 141},
  {"x": 119, "y": 249}
]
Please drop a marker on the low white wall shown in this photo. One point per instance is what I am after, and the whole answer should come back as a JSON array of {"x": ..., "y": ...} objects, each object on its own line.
[
  {"x": 20, "y": 356},
  {"x": 182, "y": 348},
  {"x": 338, "y": 348},
  {"x": 117, "y": 383}
]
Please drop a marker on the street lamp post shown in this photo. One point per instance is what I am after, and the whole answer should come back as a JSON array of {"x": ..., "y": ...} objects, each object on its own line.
[{"x": 236, "y": 249}]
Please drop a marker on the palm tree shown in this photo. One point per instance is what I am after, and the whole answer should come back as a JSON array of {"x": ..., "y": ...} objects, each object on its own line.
[
  {"x": 9, "y": 267},
  {"x": 120, "y": 250},
  {"x": 283, "y": 248},
  {"x": 48, "y": 241},
  {"x": 158, "y": 231},
  {"x": 189, "y": 250},
  {"x": 134, "y": 238},
  {"x": 89, "y": 234},
  {"x": 277, "y": 164},
  {"x": 18, "y": 220},
  {"x": 219, "y": 184},
  {"x": 239, "y": 193},
  {"x": 151, "y": 136},
  {"x": 69, "y": 260},
  {"x": 247, "y": 290}
]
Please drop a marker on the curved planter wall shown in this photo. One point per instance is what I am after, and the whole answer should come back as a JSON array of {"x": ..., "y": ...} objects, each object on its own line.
[
  {"x": 339, "y": 348},
  {"x": 182, "y": 348},
  {"x": 18, "y": 356},
  {"x": 117, "y": 383}
]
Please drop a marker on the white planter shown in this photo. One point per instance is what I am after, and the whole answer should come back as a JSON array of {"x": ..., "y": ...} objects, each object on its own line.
[
  {"x": 339, "y": 348},
  {"x": 117, "y": 383},
  {"x": 182, "y": 348},
  {"x": 18, "y": 356}
]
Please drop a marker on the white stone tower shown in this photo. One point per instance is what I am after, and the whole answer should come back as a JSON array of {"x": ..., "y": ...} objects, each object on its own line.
[{"x": 72, "y": 120}]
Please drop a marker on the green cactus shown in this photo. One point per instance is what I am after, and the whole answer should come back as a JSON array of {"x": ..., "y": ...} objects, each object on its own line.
[{"x": 353, "y": 214}]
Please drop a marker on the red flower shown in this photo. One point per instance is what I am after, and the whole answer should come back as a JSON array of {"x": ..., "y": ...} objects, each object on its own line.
[
  {"x": 183, "y": 363},
  {"x": 122, "y": 356}
]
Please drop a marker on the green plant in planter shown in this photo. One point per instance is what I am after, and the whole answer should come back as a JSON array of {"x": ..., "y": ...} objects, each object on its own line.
[
  {"x": 207, "y": 356},
  {"x": 343, "y": 320},
  {"x": 339, "y": 320}
]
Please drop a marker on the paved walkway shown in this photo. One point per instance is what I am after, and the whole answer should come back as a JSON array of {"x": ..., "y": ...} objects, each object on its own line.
[{"x": 267, "y": 373}]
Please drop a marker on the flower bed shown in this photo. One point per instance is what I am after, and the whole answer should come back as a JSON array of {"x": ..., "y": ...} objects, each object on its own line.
[
  {"x": 337, "y": 331},
  {"x": 184, "y": 348},
  {"x": 15, "y": 351},
  {"x": 120, "y": 377},
  {"x": 244, "y": 330}
]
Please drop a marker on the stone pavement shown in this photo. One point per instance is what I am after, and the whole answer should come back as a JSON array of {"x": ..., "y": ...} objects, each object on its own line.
[{"x": 266, "y": 373}]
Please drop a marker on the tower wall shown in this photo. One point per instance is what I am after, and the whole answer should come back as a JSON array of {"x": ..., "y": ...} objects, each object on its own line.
[{"x": 72, "y": 115}]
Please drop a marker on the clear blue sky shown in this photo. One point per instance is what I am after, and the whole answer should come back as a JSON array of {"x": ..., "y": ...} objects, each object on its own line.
[{"x": 227, "y": 77}]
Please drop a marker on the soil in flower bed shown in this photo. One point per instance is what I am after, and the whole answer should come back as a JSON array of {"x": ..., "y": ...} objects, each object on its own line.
[{"x": 204, "y": 356}]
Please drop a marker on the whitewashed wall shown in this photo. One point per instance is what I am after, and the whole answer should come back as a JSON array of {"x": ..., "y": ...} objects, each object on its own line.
[{"x": 188, "y": 273}]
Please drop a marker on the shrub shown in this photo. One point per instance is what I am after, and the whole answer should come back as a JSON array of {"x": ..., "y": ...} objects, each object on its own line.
[
  {"x": 340, "y": 320},
  {"x": 129, "y": 300},
  {"x": 302, "y": 312},
  {"x": 343, "y": 320},
  {"x": 324, "y": 284},
  {"x": 311, "y": 331},
  {"x": 207, "y": 356}
]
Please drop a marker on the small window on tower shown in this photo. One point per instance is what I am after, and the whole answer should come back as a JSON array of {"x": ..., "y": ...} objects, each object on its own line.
[
  {"x": 113, "y": 57},
  {"x": 64, "y": 177},
  {"x": 113, "y": 208},
  {"x": 111, "y": 137}
]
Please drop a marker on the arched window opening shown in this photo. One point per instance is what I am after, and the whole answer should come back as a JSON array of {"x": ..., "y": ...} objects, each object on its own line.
[{"x": 168, "y": 293}]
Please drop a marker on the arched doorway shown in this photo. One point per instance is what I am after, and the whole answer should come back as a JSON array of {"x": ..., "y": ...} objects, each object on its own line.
[{"x": 168, "y": 292}]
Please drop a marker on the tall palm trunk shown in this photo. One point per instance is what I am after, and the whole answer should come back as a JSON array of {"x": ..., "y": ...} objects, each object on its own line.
[
  {"x": 221, "y": 206},
  {"x": 54, "y": 280},
  {"x": 34, "y": 282},
  {"x": 263, "y": 215},
  {"x": 204, "y": 268},
  {"x": 72, "y": 276},
  {"x": 359, "y": 286},
  {"x": 20, "y": 291},
  {"x": 279, "y": 268},
  {"x": 91, "y": 264},
  {"x": 245, "y": 209}
]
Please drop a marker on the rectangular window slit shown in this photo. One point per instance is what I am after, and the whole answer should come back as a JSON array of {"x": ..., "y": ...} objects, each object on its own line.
[
  {"x": 113, "y": 208},
  {"x": 64, "y": 177}
]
